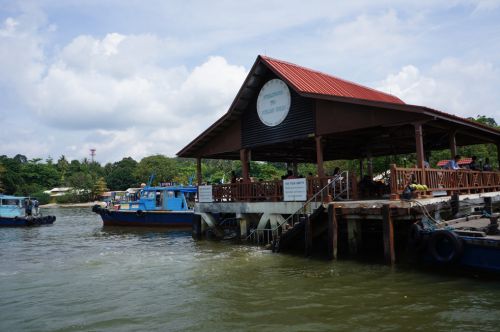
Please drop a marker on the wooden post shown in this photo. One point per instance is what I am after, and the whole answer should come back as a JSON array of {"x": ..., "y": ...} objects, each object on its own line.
[
  {"x": 354, "y": 186},
  {"x": 332, "y": 232},
  {"x": 308, "y": 237},
  {"x": 488, "y": 207},
  {"x": 419, "y": 143},
  {"x": 198, "y": 171},
  {"x": 244, "y": 165},
  {"x": 295, "y": 168},
  {"x": 498, "y": 154},
  {"x": 361, "y": 172},
  {"x": 453, "y": 144},
  {"x": 388, "y": 232},
  {"x": 394, "y": 184},
  {"x": 319, "y": 156},
  {"x": 455, "y": 204},
  {"x": 370, "y": 167}
]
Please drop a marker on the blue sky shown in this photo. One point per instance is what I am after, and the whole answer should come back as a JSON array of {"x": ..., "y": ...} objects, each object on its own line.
[{"x": 135, "y": 78}]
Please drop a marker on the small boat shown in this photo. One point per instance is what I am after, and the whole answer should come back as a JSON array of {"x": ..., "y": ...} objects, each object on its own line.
[
  {"x": 471, "y": 242},
  {"x": 18, "y": 211},
  {"x": 169, "y": 206}
]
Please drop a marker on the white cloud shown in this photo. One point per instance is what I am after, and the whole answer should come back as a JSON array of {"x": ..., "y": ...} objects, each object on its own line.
[
  {"x": 452, "y": 86},
  {"x": 144, "y": 80}
]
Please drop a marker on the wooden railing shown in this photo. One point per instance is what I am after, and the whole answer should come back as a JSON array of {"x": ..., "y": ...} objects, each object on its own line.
[
  {"x": 267, "y": 190},
  {"x": 452, "y": 181}
]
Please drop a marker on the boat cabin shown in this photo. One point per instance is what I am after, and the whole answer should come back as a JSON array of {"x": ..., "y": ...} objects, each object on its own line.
[
  {"x": 172, "y": 198},
  {"x": 12, "y": 206}
]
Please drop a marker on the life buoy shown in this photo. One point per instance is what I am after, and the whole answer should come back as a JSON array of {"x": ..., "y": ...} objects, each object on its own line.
[
  {"x": 445, "y": 246},
  {"x": 140, "y": 213}
]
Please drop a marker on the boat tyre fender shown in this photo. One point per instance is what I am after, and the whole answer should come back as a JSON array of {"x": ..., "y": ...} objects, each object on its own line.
[
  {"x": 96, "y": 208},
  {"x": 445, "y": 246},
  {"x": 140, "y": 213},
  {"x": 416, "y": 237},
  {"x": 30, "y": 221}
]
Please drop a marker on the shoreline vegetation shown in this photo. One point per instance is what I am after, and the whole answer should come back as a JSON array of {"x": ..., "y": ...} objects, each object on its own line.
[{"x": 88, "y": 179}]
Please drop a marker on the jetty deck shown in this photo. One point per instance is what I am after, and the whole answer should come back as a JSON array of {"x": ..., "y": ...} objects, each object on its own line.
[{"x": 290, "y": 114}]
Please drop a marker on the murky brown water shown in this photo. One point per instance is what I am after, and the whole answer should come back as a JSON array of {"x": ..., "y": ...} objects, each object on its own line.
[{"x": 77, "y": 276}]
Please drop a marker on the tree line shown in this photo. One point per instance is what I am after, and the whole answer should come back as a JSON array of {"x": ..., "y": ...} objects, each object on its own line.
[{"x": 30, "y": 177}]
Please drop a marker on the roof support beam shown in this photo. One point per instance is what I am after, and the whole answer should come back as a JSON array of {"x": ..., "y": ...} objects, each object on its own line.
[
  {"x": 198, "y": 171},
  {"x": 244, "y": 164},
  {"x": 453, "y": 143},
  {"x": 319, "y": 156},
  {"x": 419, "y": 143}
]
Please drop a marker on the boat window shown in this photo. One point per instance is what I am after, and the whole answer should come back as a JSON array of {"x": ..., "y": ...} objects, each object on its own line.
[
  {"x": 10, "y": 202},
  {"x": 171, "y": 194}
]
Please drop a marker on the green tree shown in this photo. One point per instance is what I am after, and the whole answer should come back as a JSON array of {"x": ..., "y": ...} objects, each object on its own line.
[{"x": 120, "y": 175}]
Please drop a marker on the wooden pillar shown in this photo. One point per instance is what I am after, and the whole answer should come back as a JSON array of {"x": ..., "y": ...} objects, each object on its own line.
[
  {"x": 244, "y": 165},
  {"x": 198, "y": 171},
  {"x": 498, "y": 154},
  {"x": 295, "y": 168},
  {"x": 453, "y": 144},
  {"x": 388, "y": 233},
  {"x": 370, "y": 167},
  {"x": 332, "y": 232},
  {"x": 361, "y": 171},
  {"x": 419, "y": 143},
  {"x": 319, "y": 156},
  {"x": 488, "y": 207},
  {"x": 455, "y": 204},
  {"x": 308, "y": 237}
]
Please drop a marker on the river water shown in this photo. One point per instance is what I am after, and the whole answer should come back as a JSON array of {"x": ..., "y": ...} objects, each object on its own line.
[{"x": 77, "y": 276}]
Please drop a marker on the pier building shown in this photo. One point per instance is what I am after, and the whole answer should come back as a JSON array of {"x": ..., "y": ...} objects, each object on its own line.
[{"x": 284, "y": 112}]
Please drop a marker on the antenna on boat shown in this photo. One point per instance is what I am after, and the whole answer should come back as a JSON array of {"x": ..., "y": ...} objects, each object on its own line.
[{"x": 150, "y": 181}]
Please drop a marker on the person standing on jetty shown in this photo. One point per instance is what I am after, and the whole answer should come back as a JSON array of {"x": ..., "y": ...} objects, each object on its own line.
[{"x": 453, "y": 164}]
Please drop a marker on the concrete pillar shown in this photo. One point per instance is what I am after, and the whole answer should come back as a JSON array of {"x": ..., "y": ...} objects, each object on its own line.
[
  {"x": 354, "y": 235},
  {"x": 388, "y": 233}
]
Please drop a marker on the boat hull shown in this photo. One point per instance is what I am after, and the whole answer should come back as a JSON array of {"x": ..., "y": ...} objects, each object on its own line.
[
  {"x": 26, "y": 221},
  {"x": 167, "y": 219}
]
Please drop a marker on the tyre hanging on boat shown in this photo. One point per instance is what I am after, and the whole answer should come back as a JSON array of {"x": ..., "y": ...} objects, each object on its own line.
[
  {"x": 140, "y": 213},
  {"x": 445, "y": 246},
  {"x": 416, "y": 238}
]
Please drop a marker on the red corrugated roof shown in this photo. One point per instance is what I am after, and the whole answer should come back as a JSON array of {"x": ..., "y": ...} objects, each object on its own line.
[
  {"x": 464, "y": 161},
  {"x": 310, "y": 81}
]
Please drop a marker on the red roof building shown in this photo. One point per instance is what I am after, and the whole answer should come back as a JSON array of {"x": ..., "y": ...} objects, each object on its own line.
[{"x": 321, "y": 117}]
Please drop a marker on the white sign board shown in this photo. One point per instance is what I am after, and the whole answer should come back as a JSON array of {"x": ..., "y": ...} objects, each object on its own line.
[
  {"x": 273, "y": 102},
  {"x": 205, "y": 194},
  {"x": 295, "y": 190}
]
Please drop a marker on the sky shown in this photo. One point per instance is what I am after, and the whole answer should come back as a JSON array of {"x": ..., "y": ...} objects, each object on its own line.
[{"x": 135, "y": 78}]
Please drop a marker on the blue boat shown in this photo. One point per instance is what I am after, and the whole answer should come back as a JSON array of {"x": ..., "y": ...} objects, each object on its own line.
[
  {"x": 169, "y": 206},
  {"x": 18, "y": 211},
  {"x": 471, "y": 242}
]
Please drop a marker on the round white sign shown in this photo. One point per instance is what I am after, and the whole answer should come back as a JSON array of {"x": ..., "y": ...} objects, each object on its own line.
[{"x": 273, "y": 102}]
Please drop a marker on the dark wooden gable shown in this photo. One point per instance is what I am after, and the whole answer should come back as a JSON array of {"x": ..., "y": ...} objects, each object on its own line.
[{"x": 299, "y": 122}]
